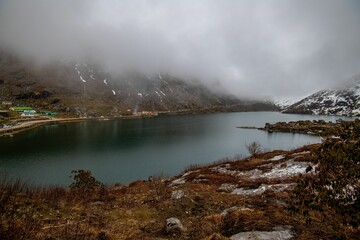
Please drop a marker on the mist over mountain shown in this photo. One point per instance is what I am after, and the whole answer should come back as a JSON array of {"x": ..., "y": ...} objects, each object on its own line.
[
  {"x": 252, "y": 49},
  {"x": 85, "y": 89}
]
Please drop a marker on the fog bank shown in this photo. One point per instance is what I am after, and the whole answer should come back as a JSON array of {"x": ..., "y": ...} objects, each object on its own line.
[{"x": 273, "y": 48}]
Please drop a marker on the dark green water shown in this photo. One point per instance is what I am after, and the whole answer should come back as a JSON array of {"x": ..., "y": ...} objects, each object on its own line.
[{"x": 125, "y": 150}]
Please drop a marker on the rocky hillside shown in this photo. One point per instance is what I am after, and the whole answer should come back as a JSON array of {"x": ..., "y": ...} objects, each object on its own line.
[
  {"x": 345, "y": 101},
  {"x": 85, "y": 89}
]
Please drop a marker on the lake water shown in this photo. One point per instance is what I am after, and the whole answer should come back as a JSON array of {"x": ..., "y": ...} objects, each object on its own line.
[{"x": 121, "y": 151}]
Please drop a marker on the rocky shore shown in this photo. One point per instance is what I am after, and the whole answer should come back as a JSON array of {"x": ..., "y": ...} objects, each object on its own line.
[{"x": 315, "y": 127}]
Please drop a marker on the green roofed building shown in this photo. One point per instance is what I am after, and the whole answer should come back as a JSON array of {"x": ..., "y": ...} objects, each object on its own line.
[{"x": 21, "y": 109}]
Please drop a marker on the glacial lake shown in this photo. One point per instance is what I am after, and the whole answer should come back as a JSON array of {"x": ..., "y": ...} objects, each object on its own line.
[{"x": 122, "y": 151}]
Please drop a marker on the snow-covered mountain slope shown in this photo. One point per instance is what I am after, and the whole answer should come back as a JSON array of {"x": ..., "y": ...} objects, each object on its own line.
[
  {"x": 284, "y": 103},
  {"x": 345, "y": 102}
]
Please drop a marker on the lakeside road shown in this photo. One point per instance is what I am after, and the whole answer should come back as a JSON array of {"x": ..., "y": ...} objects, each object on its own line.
[
  {"x": 24, "y": 126},
  {"x": 27, "y": 125}
]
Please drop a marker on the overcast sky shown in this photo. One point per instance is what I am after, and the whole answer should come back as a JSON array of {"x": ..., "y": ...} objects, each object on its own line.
[{"x": 259, "y": 48}]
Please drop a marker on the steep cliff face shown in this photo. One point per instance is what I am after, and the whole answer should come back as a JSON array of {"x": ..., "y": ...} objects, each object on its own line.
[
  {"x": 345, "y": 101},
  {"x": 87, "y": 89}
]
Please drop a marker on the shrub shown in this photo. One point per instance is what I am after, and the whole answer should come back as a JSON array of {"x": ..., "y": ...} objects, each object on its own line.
[
  {"x": 334, "y": 192},
  {"x": 86, "y": 186},
  {"x": 254, "y": 148},
  {"x": 159, "y": 187},
  {"x": 15, "y": 223}
]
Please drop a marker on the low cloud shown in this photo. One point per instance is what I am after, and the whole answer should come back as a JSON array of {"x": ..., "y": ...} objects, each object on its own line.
[{"x": 283, "y": 48}]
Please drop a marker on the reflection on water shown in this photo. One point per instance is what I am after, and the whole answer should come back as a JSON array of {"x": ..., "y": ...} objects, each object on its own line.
[{"x": 126, "y": 150}]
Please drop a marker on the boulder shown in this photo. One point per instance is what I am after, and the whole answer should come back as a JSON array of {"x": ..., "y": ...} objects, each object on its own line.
[
  {"x": 279, "y": 233},
  {"x": 173, "y": 226},
  {"x": 177, "y": 194}
]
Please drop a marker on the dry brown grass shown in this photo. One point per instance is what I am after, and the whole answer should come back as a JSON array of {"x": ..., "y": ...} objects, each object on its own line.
[{"x": 139, "y": 211}]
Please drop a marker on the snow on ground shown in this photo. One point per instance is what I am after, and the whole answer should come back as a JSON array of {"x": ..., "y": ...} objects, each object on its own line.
[
  {"x": 139, "y": 94},
  {"x": 105, "y": 82},
  {"x": 301, "y": 153},
  {"x": 356, "y": 112},
  {"x": 227, "y": 187},
  {"x": 281, "y": 170},
  {"x": 285, "y": 169},
  {"x": 263, "y": 187},
  {"x": 158, "y": 94},
  {"x": 224, "y": 169},
  {"x": 161, "y": 92},
  {"x": 113, "y": 91},
  {"x": 286, "y": 102},
  {"x": 82, "y": 79},
  {"x": 181, "y": 180},
  {"x": 92, "y": 76},
  {"x": 277, "y": 158}
]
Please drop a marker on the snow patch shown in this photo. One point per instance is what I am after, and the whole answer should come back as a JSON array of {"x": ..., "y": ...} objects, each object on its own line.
[
  {"x": 105, "y": 82},
  {"x": 301, "y": 153},
  {"x": 182, "y": 180},
  {"x": 260, "y": 190},
  {"x": 286, "y": 169},
  {"x": 113, "y": 91},
  {"x": 224, "y": 169},
  {"x": 161, "y": 92},
  {"x": 139, "y": 94},
  {"x": 82, "y": 79},
  {"x": 158, "y": 94},
  {"x": 227, "y": 187},
  {"x": 277, "y": 158},
  {"x": 178, "y": 181},
  {"x": 92, "y": 76}
]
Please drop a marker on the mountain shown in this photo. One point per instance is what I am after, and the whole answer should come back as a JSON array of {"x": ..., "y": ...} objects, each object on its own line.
[
  {"x": 344, "y": 101},
  {"x": 284, "y": 103},
  {"x": 85, "y": 89}
]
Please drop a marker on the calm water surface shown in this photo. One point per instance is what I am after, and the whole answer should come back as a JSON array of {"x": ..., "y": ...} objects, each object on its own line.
[{"x": 125, "y": 150}]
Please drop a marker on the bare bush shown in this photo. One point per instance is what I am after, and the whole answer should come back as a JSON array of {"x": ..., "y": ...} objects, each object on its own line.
[
  {"x": 159, "y": 186},
  {"x": 254, "y": 148}
]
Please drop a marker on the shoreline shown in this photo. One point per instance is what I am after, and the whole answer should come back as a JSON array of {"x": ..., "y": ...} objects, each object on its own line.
[
  {"x": 31, "y": 124},
  {"x": 27, "y": 125}
]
